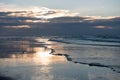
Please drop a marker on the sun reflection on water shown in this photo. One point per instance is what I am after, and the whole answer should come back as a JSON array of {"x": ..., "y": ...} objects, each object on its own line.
[
  {"x": 41, "y": 52},
  {"x": 42, "y": 56},
  {"x": 30, "y": 58}
]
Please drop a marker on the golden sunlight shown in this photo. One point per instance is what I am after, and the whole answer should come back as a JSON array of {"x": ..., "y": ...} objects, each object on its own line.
[
  {"x": 108, "y": 27},
  {"x": 39, "y": 55},
  {"x": 17, "y": 27},
  {"x": 41, "y": 52},
  {"x": 100, "y": 27},
  {"x": 43, "y": 56}
]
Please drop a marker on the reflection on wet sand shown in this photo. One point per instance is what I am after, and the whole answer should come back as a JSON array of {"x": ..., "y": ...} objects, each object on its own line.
[
  {"x": 27, "y": 52},
  {"x": 27, "y": 59},
  {"x": 41, "y": 56}
]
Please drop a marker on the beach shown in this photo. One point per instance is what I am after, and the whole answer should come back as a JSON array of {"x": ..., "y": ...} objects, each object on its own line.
[{"x": 53, "y": 58}]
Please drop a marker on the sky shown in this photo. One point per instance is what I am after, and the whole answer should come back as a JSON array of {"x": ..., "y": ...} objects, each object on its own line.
[
  {"x": 83, "y": 7},
  {"x": 59, "y": 17}
]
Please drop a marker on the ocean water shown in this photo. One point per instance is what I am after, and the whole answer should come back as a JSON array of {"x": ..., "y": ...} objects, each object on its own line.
[{"x": 59, "y": 58}]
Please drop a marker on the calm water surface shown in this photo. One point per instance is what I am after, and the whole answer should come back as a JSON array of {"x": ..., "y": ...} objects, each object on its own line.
[{"x": 38, "y": 58}]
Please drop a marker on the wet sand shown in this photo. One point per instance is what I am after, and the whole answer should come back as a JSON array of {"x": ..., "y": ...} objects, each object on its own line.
[{"x": 41, "y": 59}]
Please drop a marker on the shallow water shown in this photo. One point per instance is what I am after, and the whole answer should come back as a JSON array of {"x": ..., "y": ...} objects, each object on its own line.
[{"x": 48, "y": 58}]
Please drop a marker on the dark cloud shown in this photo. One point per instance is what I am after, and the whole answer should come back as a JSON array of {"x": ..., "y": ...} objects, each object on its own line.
[{"x": 17, "y": 23}]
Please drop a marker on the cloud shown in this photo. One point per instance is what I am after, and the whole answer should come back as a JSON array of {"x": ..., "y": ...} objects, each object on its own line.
[
  {"x": 17, "y": 27},
  {"x": 34, "y": 11},
  {"x": 100, "y": 17},
  {"x": 101, "y": 27},
  {"x": 30, "y": 18},
  {"x": 45, "y": 21}
]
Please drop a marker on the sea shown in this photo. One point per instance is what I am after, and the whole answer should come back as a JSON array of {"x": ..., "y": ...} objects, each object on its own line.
[{"x": 59, "y": 58}]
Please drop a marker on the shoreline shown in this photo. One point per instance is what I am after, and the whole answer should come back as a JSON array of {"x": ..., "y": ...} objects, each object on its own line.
[{"x": 52, "y": 61}]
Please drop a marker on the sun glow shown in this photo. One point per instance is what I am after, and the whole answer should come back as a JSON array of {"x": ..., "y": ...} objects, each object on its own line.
[
  {"x": 35, "y": 11},
  {"x": 42, "y": 56},
  {"x": 101, "y": 27},
  {"x": 37, "y": 55},
  {"x": 17, "y": 27},
  {"x": 41, "y": 53}
]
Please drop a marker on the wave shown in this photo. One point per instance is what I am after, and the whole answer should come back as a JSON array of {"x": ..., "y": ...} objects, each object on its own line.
[
  {"x": 89, "y": 41},
  {"x": 115, "y": 68}
]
